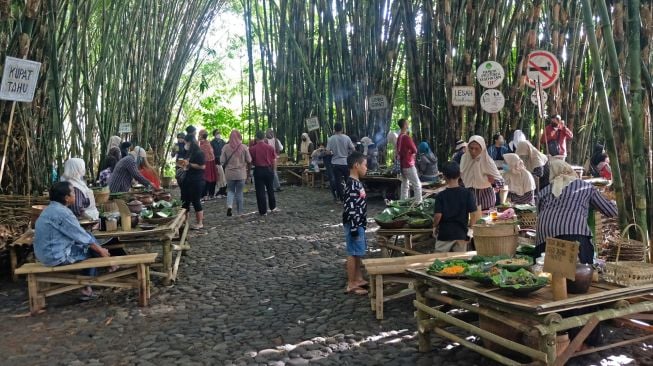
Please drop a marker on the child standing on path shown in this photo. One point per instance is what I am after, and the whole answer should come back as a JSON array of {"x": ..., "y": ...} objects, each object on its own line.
[{"x": 354, "y": 219}]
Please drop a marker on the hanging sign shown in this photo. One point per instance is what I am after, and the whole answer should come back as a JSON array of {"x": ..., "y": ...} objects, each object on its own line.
[
  {"x": 490, "y": 74},
  {"x": 463, "y": 96},
  {"x": 543, "y": 67},
  {"x": 19, "y": 79},
  {"x": 125, "y": 127},
  {"x": 561, "y": 257},
  {"x": 312, "y": 123},
  {"x": 543, "y": 95},
  {"x": 377, "y": 102},
  {"x": 492, "y": 101}
]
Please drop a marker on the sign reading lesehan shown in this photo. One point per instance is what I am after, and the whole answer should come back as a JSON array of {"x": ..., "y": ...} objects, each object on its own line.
[
  {"x": 463, "y": 96},
  {"x": 19, "y": 79}
]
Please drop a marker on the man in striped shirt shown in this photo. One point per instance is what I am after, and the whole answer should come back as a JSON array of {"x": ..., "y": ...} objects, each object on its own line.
[{"x": 563, "y": 208}]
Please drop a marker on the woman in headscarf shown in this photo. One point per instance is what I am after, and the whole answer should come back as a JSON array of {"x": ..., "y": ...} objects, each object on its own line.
[
  {"x": 113, "y": 148},
  {"x": 306, "y": 147},
  {"x": 563, "y": 208},
  {"x": 145, "y": 168},
  {"x": 235, "y": 160},
  {"x": 461, "y": 148},
  {"x": 110, "y": 160},
  {"x": 480, "y": 173},
  {"x": 210, "y": 172},
  {"x": 534, "y": 161},
  {"x": 517, "y": 137},
  {"x": 520, "y": 182},
  {"x": 193, "y": 183},
  {"x": 427, "y": 163},
  {"x": 597, "y": 156},
  {"x": 74, "y": 170}
]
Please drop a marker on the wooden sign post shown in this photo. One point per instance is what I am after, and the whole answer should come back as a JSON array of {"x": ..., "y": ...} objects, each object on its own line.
[{"x": 560, "y": 260}]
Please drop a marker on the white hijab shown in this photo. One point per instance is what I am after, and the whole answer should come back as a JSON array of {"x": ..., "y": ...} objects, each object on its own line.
[
  {"x": 73, "y": 173},
  {"x": 114, "y": 141},
  {"x": 517, "y": 137},
  {"x": 519, "y": 180},
  {"x": 366, "y": 142},
  {"x": 561, "y": 175},
  {"x": 475, "y": 171},
  {"x": 531, "y": 156},
  {"x": 305, "y": 144}
]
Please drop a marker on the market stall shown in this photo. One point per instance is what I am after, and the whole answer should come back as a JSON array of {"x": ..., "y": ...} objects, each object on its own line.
[{"x": 519, "y": 323}]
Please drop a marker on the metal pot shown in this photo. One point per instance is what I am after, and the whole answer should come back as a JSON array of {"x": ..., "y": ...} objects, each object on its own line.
[{"x": 583, "y": 280}]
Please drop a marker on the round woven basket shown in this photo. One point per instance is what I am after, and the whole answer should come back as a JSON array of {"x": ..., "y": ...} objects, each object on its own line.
[{"x": 495, "y": 239}]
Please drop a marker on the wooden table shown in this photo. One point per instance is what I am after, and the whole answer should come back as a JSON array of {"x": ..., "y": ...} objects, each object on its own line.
[
  {"x": 163, "y": 235},
  {"x": 390, "y": 247},
  {"x": 526, "y": 326},
  {"x": 293, "y": 171}
]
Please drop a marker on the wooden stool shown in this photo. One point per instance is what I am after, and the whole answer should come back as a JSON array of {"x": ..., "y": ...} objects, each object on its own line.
[{"x": 308, "y": 178}]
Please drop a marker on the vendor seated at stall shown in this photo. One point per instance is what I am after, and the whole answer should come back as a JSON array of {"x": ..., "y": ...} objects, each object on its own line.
[
  {"x": 535, "y": 162},
  {"x": 126, "y": 170},
  {"x": 602, "y": 166},
  {"x": 83, "y": 207},
  {"x": 498, "y": 148},
  {"x": 145, "y": 168},
  {"x": 427, "y": 163},
  {"x": 520, "y": 182},
  {"x": 58, "y": 237},
  {"x": 461, "y": 148},
  {"x": 317, "y": 158},
  {"x": 453, "y": 207},
  {"x": 563, "y": 207},
  {"x": 480, "y": 173}
]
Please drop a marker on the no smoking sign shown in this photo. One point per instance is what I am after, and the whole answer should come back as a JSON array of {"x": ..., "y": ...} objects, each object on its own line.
[{"x": 543, "y": 67}]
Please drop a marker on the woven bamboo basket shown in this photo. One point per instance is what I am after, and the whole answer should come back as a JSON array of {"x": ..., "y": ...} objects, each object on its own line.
[
  {"x": 527, "y": 220},
  {"x": 628, "y": 273},
  {"x": 495, "y": 239}
]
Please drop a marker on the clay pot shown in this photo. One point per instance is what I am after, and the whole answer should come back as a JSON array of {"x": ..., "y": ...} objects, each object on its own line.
[
  {"x": 134, "y": 218},
  {"x": 145, "y": 199},
  {"x": 163, "y": 196},
  {"x": 583, "y": 280},
  {"x": 135, "y": 206}
]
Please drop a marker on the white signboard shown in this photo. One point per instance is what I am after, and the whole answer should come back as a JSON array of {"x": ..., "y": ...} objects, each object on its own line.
[
  {"x": 19, "y": 79},
  {"x": 492, "y": 101},
  {"x": 490, "y": 74},
  {"x": 463, "y": 96},
  {"x": 543, "y": 67},
  {"x": 377, "y": 102},
  {"x": 125, "y": 127},
  {"x": 312, "y": 123},
  {"x": 543, "y": 95}
]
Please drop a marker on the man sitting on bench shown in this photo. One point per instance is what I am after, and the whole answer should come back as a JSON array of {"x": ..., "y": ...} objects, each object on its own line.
[{"x": 59, "y": 239}]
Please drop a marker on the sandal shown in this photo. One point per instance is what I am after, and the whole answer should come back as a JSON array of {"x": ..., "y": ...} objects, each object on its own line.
[
  {"x": 197, "y": 227},
  {"x": 356, "y": 291}
]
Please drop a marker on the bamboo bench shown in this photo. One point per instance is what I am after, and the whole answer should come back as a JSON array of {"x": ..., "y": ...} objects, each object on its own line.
[
  {"x": 58, "y": 279},
  {"x": 383, "y": 271}
]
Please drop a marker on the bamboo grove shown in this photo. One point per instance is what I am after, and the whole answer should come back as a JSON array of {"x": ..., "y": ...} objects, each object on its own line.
[
  {"x": 324, "y": 58},
  {"x": 103, "y": 63}
]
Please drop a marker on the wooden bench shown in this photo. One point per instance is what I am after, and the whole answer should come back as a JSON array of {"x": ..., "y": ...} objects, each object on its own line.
[
  {"x": 60, "y": 280},
  {"x": 383, "y": 271}
]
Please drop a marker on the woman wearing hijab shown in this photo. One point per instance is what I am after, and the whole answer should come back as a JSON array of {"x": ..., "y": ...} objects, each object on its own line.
[
  {"x": 563, "y": 208},
  {"x": 306, "y": 147},
  {"x": 517, "y": 137},
  {"x": 534, "y": 161},
  {"x": 427, "y": 163},
  {"x": 193, "y": 183},
  {"x": 235, "y": 160},
  {"x": 597, "y": 156},
  {"x": 145, "y": 168},
  {"x": 480, "y": 173},
  {"x": 520, "y": 182},
  {"x": 74, "y": 170},
  {"x": 210, "y": 172}
]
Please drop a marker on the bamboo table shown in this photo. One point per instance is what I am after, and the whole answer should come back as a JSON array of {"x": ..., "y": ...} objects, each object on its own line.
[
  {"x": 537, "y": 317},
  {"x": 389, "y": 247},
  {"x": 162, "y": 234},
  {"x": 293, "y": 170}
]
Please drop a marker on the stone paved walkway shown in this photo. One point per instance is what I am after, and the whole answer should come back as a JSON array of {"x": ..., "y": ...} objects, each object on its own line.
[{"x": 253, "y": 291}]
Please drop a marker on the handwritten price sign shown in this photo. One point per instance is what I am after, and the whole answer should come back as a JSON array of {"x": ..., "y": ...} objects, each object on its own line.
[{"x": 561, "y": 257}]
